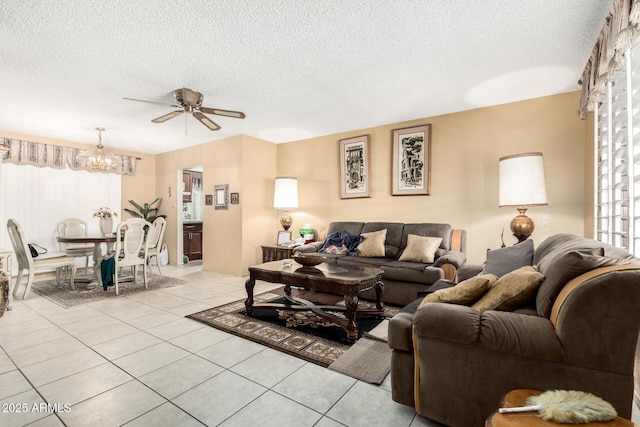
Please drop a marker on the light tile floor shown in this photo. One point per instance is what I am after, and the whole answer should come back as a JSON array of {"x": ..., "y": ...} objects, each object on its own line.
[{"x": 137, "y": 361}]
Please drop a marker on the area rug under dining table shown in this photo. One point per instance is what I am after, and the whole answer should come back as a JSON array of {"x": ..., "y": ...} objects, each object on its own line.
[
  {"x": 66, "y": 297},
  {"x": 369, "y": 359}
]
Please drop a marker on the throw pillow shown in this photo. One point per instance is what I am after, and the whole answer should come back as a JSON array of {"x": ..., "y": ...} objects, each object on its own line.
[
  {"x": 464, "y": 293},
  {"x": 372, "y": 244},
  {"x": 563, "y": 268},
  {"x": 420, "y": 249},
  {"x": 511, "y": 291},
  {"x": 504, "y": 260}
]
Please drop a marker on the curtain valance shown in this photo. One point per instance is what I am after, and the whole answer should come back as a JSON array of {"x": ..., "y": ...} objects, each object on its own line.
[
  {"x": 57, "y": 157},
  {"x": 621, "y": 31}
]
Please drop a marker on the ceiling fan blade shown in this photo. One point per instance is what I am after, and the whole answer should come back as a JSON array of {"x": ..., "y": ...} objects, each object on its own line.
[
  {"x": 227, "y": 113},
  {"x": 168, "y": 116},
  {"x": 153, "y": 102},
  {"x": 206, "y": 121}
]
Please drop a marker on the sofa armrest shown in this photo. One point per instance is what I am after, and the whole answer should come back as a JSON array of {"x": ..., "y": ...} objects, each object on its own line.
[
  {"x": 468, "y": 270},
  {"x": 308, "y": 248},
  {"x": 455, "y": 258},
  {"x": 521, "y": 334},
  {"x": 449, "y": 322}
]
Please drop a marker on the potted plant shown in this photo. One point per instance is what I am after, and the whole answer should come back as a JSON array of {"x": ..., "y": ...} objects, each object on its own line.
[{"x": 146, "y": 211}]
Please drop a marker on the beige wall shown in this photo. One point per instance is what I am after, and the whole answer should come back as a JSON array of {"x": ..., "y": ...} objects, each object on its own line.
[
  {"x": 231, "y": 237},
  {"x": 465, "y": 150}
]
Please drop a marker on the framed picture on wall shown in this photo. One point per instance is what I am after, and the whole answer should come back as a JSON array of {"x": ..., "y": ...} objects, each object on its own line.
[
  {"x": 208, "y": 199},
  {"x": 411, "y": 161},
  {"x": 221, "y": 196},
  {"x": 355, "y": 175}
]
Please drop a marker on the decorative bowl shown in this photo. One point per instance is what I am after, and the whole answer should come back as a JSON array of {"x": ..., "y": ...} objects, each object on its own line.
[{"x": 308, "y": 260}]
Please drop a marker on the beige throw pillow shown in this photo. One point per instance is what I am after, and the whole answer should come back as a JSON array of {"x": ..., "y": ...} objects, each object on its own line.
[
  {"x": 372, "y": 244},
  {"x": 464, "y": 293},
  {"x": 511, "y": 290},
  {"x": 420, "y": 249}
]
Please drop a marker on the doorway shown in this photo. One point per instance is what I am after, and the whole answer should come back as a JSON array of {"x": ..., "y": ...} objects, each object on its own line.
[{"x": 190, "y": 231}]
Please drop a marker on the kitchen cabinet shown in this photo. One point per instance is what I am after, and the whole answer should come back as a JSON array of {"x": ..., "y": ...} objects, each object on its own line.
[
  {"x": 192, "y": 240},
  {"x": 187, "y": 180},
  {"x": 190, "y": 179}
]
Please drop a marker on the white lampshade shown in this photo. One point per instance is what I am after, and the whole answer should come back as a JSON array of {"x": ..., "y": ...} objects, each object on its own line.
[
  {"x": 285, "y": 194},
  {"x": 522, "y": 180}
]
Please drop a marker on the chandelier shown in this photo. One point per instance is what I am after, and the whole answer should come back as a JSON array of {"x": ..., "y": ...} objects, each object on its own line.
[{"x": 99, "y": 159}]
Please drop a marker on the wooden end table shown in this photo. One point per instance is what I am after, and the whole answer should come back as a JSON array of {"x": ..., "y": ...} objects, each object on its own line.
[
  {"x": 530, "y": 419},
  {"x": 334, "y": 279},
  {"x": 276, "y": 253}
]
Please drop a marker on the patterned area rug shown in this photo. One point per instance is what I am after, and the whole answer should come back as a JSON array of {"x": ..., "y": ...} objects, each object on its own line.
[
  {"x": 85, "y": 293},
  {"x": 311, "y": 341}
]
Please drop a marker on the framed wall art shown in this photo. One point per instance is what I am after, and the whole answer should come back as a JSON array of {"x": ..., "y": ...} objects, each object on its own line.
[
  {"x": 411, "y": 161},
  {"x": 208, "y": 199},
  {"x": 221, "y": 196},
  {"x": 235, "y": 198},
  {"x": 355, "y": 176}
]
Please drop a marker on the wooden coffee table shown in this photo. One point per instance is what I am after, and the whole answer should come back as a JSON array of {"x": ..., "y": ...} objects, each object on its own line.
[{"x": 334, "y": 279}]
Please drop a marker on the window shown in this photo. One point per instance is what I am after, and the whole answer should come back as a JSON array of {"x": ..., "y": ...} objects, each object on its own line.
[
  {"x": 617, "y": 158},
  {"x": 40, "y": 197}
]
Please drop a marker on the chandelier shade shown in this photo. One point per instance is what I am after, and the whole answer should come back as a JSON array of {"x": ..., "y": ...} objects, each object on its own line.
[{"x": 98, "y": 158}]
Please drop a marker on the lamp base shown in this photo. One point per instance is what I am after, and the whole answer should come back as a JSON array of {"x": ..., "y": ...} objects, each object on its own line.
[
  {"x": 522, "y": 226},
  {"x": 286, "y": 220}
]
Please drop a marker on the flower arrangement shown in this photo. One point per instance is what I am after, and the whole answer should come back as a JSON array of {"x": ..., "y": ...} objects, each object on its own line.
[{"x": 104, "y": 213}]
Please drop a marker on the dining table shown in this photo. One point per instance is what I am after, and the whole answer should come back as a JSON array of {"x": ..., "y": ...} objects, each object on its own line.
[{"x": 98, "y": 254}]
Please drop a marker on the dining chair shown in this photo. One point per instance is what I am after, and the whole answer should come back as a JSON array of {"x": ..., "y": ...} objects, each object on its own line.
[
  {"x": 131, "y": 249},
  {"x": 57, "y": 260},
  {"x": 74, "y": 227},
  {"x": 155, "y": 237}
]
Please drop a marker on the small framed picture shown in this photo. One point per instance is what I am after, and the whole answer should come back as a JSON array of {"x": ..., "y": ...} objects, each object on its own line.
[
  {"x": 208, "y": 199},
  {"x": 355, "y": 175},
  {"x": 411, "y": 161},
  {"x": 221, "y": 193},
  {"x": 235, "y": 198},
  {"x": 283, "y": 236}
]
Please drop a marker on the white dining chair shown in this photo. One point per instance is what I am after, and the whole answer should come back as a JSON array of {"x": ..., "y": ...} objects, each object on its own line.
[
  {"x": 155, "y": 237},
  {"x": 74, "y": 227},
  {"x": 131, "y": 249},
  {"x": 48, "y": 261}
]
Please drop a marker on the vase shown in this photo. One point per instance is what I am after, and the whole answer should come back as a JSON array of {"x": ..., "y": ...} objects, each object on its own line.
[{"x": 106, "y": 225}]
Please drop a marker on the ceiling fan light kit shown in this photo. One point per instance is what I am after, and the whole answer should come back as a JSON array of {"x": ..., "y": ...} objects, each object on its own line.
[
  {"x": 190, "y": 102},
  {"x": 98, "y": 158}
]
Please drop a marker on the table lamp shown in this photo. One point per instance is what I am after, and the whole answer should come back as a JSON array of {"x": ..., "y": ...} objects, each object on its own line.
[
  {"x": 285, "y": 196},
  {"x": 522, "y": 184}
]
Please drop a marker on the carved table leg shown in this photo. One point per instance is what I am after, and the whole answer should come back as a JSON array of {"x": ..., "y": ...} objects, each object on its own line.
[
  {"x": 351, "y": 303},
  {"x": 248, "y": 304},
  {"x": 379, "y": 288}
]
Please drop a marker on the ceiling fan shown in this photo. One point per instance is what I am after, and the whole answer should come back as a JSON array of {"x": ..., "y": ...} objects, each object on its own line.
[{"x": 190, "y": 101}]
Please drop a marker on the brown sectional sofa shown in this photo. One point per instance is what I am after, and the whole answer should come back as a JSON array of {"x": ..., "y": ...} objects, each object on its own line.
[
  {"x": 453, "y": 363},
  {"x": 402, "y": 280}
]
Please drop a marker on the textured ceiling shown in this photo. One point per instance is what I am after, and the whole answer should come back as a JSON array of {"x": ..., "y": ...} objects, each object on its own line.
[{"x": 298, "y": 69}]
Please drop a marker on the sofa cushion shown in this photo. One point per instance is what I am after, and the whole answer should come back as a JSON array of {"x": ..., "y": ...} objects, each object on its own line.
[
  {"x": 465, "y": 293},
  {"x": 420, "y": 249},
  {"x": 411, "y": 272},
  {"x": 428, "y": 230},
  {"x": 560, "y": 269},
  {"x": 372, "y": 244},
  {"x": 353, "y": 228},
  {"x": 511, "y": 291},
  {"x": 504, "y": 260},
  {"x": 364, "y": 261},
  {"x": 393, "y": 239}
]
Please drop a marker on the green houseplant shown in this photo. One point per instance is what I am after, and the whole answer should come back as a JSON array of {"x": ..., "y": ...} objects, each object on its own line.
[{"x": 146, "y": 211}]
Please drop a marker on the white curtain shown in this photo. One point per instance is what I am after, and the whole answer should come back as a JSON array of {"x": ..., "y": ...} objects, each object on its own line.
[{"x": 40, "y": 197}]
